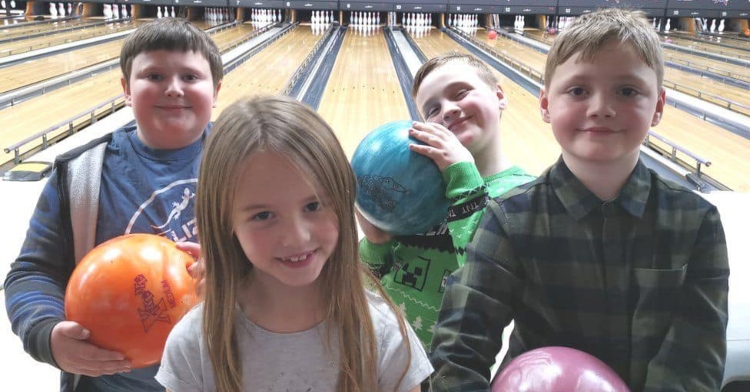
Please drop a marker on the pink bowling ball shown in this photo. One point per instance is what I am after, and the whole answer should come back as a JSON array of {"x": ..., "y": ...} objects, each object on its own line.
[{"x": 555, "y": 369}]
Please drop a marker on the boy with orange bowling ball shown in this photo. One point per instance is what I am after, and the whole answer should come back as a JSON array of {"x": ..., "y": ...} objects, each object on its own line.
[
  {"x": 461, "y": 102},
  {"x": 138, "y": 179},
  {"x": 598, "y": 254}
]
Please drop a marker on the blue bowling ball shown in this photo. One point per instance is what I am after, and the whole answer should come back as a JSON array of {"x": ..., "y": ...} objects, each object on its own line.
[{"x": 398, "y": 190}]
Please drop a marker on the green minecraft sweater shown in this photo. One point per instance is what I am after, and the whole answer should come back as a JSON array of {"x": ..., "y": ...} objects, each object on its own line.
[{"x": 413, "y": 269}]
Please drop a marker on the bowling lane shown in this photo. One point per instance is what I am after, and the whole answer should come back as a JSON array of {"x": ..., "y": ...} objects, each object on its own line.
[
  {"x": 363, "y": 91},
  {"x": 704, "y": 88},
  {"x": 43, "y": 112},
  {"x": 727, "y": 151},
  {"x": 37, "y": 70},
  {"x": 268, "y": 72},
  {"x": 527, "y": 140},
  {"x": 27, "y": 45},
  {"x": 707, "y": 64},
  {"x": 730, "y": 39},
  {"x": 33, "y": 28},
  {"x": 711, "y": 48}
]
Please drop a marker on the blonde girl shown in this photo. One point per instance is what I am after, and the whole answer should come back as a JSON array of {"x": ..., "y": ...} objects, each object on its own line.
[{"x": 286, "y": 305}]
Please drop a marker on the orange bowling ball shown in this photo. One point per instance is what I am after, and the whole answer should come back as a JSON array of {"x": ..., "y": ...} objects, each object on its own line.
[
  {"x": 492, "y": 34},
  {"x": 129, "y": 292}
]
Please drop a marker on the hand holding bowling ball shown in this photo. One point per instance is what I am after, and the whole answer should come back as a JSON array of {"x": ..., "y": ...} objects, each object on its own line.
[
  {"x": 129, "y": 292},
  {"x": 197, "y": 270},
  {"x": 74, "y": 353},
  {"x": 398, "y": 190},
  {"x": 554, "y": 369}
]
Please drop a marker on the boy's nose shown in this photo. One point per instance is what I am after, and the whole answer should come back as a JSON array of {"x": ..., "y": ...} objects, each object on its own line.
[
  {"x": 601, "y": 106},
  {"x": 450, "y": 114},
  {"x": 174, "y": 88}
]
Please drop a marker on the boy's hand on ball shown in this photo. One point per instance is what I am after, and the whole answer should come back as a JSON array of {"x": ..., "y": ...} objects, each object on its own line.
[
  {"x": 442, "y": 146},
  {"x": 372, "y": 232},
  {"x": 73, "y": 352}
]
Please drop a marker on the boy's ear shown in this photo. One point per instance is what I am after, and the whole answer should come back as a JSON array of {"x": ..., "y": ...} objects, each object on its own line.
[
  {"x": 126, "y": 91},
  {"x": 660, "y": 102},
  {"x": 216, "y": 92},
  {"x": 544, "y": 104},
  {"x": 501, "y": 97}
]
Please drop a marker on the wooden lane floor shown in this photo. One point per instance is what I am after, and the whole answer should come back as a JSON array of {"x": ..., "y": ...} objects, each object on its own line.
[
  {"x": 708, "y": 89},
  {"x": 711, "y": 48},
  {"x": 363, "y": 91},
  {"x": 269, "y": 71},
  {"x": 527, "y": 140},
  {"x": 728, "y": 152},
  {"x": 42, "y": 42},
  {"x": 37, "y": 70},
  {"x": 729, "y": 38},
  {"x": 45, "y": 111},
  {"x": 676, "y": 40},
  {"x": 40, "y": 69},
  {"x": 708, "y": 64},
  {"x": 28, "y": 28}
]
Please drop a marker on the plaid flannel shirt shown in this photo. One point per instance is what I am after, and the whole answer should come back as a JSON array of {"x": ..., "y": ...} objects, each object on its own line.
[{"x": 640, "y": 282}]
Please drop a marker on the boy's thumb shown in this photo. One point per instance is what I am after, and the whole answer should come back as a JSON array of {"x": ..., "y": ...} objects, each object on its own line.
[{"x": 76, "y": 331}]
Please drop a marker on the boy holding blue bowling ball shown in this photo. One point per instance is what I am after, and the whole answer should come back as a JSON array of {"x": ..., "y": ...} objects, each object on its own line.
[
  {"x": 462, "y": 103},
  {"x": 599, "y": 253}
]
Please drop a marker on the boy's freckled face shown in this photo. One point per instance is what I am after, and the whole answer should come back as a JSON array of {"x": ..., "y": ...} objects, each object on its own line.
[
  {"x": 172, "y": 96},
  {"x": 455, "y": 96},
  {"x": 601, "y": 110}
]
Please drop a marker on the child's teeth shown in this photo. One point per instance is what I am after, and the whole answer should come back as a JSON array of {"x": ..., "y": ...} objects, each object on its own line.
[{"x": 295, "y": 259}]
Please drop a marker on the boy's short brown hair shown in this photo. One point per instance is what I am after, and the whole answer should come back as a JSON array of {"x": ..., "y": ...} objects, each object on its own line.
[
  {"x": 438, "y": 61},
  {"x": 590, "y": 32},
  {"x": 175, "y": 35}
]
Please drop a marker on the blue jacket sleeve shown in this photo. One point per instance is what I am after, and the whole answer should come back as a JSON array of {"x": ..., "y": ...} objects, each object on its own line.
[{"x": 35, "y": 285}]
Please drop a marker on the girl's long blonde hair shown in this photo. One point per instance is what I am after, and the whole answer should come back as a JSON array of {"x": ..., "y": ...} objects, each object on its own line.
[{"x": 285, "y": 126}]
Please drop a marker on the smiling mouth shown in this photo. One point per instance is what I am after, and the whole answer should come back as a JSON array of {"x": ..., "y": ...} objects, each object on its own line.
[
  {"x": 297, "y": 258},
  {"x": 598, "y": 130},
  {"x": 457, "y": 123}
]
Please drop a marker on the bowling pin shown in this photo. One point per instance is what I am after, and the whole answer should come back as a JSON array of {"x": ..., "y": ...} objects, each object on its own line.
[
  {"x": 173, "y": 13},
  {"x": 115, "y": 11},
  {"x": 713, "y": 25},
  {"x": 721, "y": 26},
  {"x": 667, "y": 26},
  {"x": 158, "y": 12}
]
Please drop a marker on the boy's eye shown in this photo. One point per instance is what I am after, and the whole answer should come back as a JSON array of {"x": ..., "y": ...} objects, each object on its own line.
[
  {"x": 628, "y": 92},
  {"x": 261, "y": 216},
  {"x": 430, "y": 113},
  {"x": 312, "y": 207},
  {"x": 576, "y": 91},
  {"x": 190, "y": 78},
  {"x": 461, "y": 93},
  {"x": 154, "y": 77}
]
